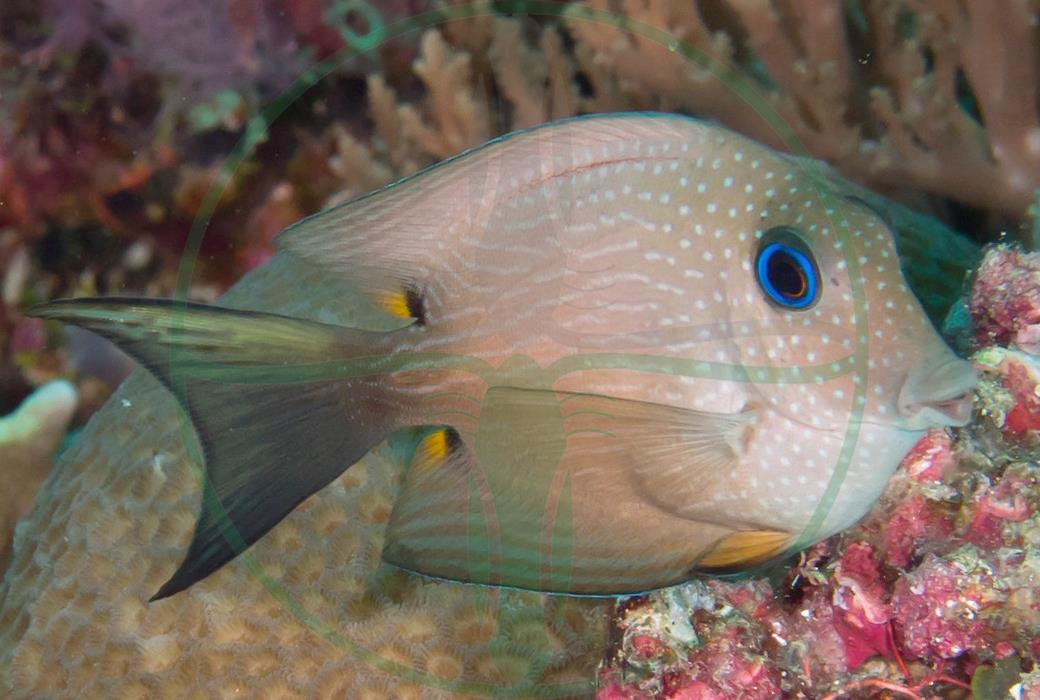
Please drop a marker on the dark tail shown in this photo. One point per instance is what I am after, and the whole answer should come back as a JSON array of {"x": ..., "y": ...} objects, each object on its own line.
[{"x": 282, "y": 406}]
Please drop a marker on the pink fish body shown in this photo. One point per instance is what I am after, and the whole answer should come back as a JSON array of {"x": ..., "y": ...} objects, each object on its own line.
[{"x": 632, "y": 347}]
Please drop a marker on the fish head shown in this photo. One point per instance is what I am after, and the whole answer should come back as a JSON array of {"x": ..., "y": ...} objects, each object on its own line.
[
  {"x": 837, "y": 355},
  {"x": 766, "y": 289},
  {"x": 833, "y": 304}
]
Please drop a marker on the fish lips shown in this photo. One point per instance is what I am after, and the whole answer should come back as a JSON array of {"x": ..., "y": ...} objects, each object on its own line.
[{"x": 937, "y": 396}]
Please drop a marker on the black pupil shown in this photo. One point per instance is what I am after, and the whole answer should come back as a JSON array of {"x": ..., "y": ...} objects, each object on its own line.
[{"x": 786, "y": 275}]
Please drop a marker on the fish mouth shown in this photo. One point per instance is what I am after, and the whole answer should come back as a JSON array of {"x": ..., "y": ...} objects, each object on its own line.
[
  {"x": 935, "y": 397},
  {"x": 938, "y": 396}
]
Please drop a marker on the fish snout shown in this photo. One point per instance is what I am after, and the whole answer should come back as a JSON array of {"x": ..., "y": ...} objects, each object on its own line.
[{"x": 937, "y": 396}]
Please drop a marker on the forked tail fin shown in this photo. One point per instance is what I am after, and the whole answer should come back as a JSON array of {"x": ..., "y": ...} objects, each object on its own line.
[{"x": 278, "y": 407}]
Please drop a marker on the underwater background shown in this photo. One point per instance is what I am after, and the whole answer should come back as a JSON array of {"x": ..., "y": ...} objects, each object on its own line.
[{"x": 154, "y": 148}]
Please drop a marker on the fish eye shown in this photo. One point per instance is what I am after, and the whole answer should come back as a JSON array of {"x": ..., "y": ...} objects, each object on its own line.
[{"x": 786, "y": 270}]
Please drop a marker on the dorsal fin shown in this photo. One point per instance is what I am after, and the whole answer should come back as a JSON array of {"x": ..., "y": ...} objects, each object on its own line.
[{"x": 398, "y": 235}]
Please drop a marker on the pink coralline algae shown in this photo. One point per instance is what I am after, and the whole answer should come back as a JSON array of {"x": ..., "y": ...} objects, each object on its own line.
[
  {"x": 861, "y": 614},
  {"x": 915, "y": 522},
  {"x": 931, "y": 458},
  {"x": 1005, "y": 300},
  {"x": 715, "y": 654},
  {"x": 996, "y": 505},
  {"x": 1011, "y": 381},
  {"x": 939, "y": 608}
]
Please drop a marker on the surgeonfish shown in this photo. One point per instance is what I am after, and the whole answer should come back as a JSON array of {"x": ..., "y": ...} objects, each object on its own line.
[{"x": 629, "y": 348}]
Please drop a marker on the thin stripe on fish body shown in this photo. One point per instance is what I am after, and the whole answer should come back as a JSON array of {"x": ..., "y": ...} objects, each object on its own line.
[{"x": 640, "y": 346}]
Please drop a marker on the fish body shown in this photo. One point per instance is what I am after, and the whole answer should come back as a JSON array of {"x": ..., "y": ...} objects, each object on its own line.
[{"x": 631, "y": 348}]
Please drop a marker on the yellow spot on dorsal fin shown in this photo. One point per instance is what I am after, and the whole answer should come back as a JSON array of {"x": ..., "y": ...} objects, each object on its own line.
[
  {"x": 432, "y": 451},
  {"x": 396, "y": 303},
  {"x": 745, "y": 549}
]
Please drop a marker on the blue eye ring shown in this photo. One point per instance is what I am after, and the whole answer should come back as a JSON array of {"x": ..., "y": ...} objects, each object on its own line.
[{"x": 786, "y": 270}]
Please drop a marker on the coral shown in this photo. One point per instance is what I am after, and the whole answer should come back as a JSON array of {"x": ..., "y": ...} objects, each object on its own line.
[
  {"x": 937, "y": 607},
  {"x": 1012, "y": 401},
  {"x": 916, "y": 522},
  {"x": 28, "y": 440},
  {"x": 931, "y": 458},
  {"x": 135, "y": 173},
  {"x": 892, "y": 93},
  {"x": 205, "y": 47},
  {"x": 706, "y": 637},
  {"x": 1005, "y": 299},
  {"x": 863, "y": 621}
]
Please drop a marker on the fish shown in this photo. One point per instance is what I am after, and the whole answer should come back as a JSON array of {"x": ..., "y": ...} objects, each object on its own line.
[{"x": 629, "y": 348}]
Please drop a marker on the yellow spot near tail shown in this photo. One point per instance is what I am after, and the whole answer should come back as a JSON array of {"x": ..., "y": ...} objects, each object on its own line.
[
  {"x": 432, "y": 451},
  {"x": 396, "y": 304},
  {"x": 745, "y": 549}
]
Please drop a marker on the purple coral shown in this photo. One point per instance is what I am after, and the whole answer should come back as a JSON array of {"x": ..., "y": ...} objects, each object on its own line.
[{"x": 207, "y": 46}]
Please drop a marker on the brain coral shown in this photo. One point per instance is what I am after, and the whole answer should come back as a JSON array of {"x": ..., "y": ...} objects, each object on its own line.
[{"x": 314, "y": 613}]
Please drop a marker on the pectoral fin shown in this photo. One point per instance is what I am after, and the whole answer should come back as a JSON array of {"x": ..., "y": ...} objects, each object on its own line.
[
  {"x": 566, "y": 493},
  {"x": 676, "y": 456}
]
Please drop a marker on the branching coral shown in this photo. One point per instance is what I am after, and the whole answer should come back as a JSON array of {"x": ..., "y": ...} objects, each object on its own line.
[{"x": 932, "y": 94}]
